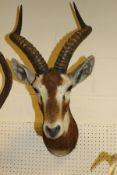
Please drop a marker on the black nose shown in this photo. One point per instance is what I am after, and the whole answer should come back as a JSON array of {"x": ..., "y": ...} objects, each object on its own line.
[{"x": 53, "y": 131}]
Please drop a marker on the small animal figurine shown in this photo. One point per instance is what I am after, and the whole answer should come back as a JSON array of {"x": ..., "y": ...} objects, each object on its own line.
[{"x": 53, "y": 85}]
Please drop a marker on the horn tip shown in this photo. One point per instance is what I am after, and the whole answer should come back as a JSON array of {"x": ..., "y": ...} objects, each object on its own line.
[
  {"x": 21, "y": 7},
  {"x": 77, "y": 13},
  {"x": 17, "y": 28},
  {"x": 74, "y": 5}
]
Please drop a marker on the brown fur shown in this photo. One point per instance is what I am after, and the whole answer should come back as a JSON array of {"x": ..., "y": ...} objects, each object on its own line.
[
  {"x": 52, "y": 109},
  {"x": 65, "y": 107},
  {"x": 52, "y": 80},
  {"x": 66, "y": 142}
]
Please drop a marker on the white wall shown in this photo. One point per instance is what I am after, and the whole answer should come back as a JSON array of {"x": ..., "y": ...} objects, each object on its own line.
[{"x": 44, "y": 24}]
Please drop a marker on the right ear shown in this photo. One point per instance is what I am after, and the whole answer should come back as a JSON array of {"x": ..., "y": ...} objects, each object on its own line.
[
  {"x": 22, "y": 73},
  {"x": 82, "y": 71}
]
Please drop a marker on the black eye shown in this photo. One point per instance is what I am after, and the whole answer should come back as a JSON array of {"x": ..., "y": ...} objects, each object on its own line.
[
  {"x": 41, "y": 98},
  {"x": 36, "y": 90},
  {"x": 64, "y": 97},
  {"x": 69, "y": 88}
]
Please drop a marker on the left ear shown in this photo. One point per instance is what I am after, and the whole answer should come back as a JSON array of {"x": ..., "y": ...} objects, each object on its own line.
[
  {"x": 82, "y": 71},
  {"x": 22, "y": 73}
]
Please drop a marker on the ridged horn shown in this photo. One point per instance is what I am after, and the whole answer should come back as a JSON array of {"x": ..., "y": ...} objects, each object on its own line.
[
  {"x": 73, "y": 42},
  {"x": 31, "y": 52},
  {"x": 8, "y": 80}
]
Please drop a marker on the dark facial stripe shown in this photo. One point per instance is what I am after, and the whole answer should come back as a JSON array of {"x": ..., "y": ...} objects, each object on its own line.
[
  {"x": 52, "y": 109},
  {"x": 52, "y": 80}
]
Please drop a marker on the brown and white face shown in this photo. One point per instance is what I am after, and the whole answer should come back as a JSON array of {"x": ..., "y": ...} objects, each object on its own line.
[{"x": 53, "y": 91}]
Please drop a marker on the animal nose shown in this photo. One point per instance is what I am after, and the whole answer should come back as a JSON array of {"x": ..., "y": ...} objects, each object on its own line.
[{"x": 53, "y": 131}]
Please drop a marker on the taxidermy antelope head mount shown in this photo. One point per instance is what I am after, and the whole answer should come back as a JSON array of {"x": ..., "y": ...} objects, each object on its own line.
[
  {"x": 53, "y": 86},
  {"x": 8, "y": 80}
]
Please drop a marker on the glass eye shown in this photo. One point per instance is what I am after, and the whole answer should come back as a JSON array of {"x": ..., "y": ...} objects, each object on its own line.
[
  {"x": 69, "y": 88},
  {"x": 36, "y": 90},
  {"x": 41, "y": 99},
  {"x": 64, "y": 97},
  {"x": 38, "y": 93}
]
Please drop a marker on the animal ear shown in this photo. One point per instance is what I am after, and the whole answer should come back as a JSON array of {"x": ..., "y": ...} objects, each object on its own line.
[
  {"x": 82, "y": 71},
  {"x": 22, "y": 73}
]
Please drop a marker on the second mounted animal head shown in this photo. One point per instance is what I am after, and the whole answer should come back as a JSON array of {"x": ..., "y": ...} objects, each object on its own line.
[
  {"x": 53, "y": 85},
  {"x": 8, "y": 80}
]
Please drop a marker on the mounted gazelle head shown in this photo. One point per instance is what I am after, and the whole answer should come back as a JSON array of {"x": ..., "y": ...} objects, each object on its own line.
[
  {"x": 8, "y": 80},
  {"x": 53, "y": 86}
]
